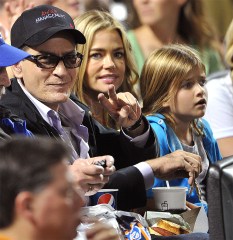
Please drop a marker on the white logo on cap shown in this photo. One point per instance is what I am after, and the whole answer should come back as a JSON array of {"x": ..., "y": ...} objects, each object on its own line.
[
  {"x": 51, "y": 13},
  {"x": 49, "y": 16}
]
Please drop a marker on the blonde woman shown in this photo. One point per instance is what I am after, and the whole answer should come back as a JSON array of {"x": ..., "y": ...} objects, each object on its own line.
[
  {"x": 174, "y": 100},
  {"x": 107, "y": 62}
]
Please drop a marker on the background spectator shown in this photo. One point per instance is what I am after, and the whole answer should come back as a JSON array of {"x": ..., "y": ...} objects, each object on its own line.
[
  {"x": 219, "y": 111},
  {"x": 220, "y": 14},
  {"x": 73, "y": 7},
  {"x": 157, "y": 23},
  {"x": 9, "y": 124},
  {"x": 38, "y": 197}
]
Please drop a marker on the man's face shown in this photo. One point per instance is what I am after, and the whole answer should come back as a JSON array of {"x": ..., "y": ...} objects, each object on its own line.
[
  {"x": 4, "y": 80},
  {"x": 50, "y": 86},
  {"x": 56, "y": 207}
]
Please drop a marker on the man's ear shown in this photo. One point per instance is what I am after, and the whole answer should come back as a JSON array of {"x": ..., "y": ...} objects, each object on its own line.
[
  {"x": 17, "y": 70},
  {"x": 24, "y": 205}
]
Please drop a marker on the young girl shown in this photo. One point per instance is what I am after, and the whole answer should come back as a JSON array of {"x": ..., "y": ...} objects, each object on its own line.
[{"x": 174, "y": 100}]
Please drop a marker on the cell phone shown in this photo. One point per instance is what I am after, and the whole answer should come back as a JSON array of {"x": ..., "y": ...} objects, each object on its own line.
[{"x": 101, "y": 163}]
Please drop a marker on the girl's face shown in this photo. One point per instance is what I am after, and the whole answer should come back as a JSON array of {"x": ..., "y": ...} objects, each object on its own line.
[
  {"x": 191, "y": 98},
  {"x": 106, "y": 62}
]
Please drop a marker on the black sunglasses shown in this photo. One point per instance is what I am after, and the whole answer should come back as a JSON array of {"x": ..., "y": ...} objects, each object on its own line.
[{"x": 47, "y": 61}]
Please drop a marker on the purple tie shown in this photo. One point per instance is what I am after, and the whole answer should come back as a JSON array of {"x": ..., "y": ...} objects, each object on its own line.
[{"x": 64, "y": 136}]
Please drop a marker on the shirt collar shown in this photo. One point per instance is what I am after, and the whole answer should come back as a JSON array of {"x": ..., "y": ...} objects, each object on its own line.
[{"x": 68, "y": 108}]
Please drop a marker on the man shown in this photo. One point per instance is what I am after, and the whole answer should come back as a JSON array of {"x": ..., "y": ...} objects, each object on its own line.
[
  {"x": 38, "y": 198},
  {"x": 9, "y": 124},
  {"x": 40, "y": 95}
]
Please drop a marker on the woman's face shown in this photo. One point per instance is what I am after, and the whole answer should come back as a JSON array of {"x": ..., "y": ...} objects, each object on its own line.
[
  {"x": 106, "y": 62},
  {"x": 154, "y": 11}
]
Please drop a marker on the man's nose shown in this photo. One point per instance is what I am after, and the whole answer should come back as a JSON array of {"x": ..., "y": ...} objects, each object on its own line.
[{"x": 60, "y": 68}]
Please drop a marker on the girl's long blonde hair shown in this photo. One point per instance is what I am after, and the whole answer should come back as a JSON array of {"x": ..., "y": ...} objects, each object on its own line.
[{"x": 162, "y": 75}]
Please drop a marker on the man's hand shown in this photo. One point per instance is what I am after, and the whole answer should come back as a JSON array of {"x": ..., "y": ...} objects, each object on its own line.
[
  {"x": 122, "y": 107},
  {"x": 179, "y": 164},
  {"x": 89, "y": 176}
]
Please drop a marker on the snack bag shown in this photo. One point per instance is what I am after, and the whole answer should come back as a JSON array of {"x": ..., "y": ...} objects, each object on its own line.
[{"x": 132, "y": 228}]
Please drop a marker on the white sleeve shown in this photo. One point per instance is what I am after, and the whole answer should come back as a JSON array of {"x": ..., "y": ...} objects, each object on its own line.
[
  {"x": 147, "y": 173},
  {"x": 219, "y": 111}
]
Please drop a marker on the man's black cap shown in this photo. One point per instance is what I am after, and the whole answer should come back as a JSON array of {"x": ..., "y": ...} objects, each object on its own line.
[{"x": 37, "y": 25}]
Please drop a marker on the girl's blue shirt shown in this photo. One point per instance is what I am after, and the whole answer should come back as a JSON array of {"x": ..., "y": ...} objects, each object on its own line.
[{"x": 169, "y": 142}]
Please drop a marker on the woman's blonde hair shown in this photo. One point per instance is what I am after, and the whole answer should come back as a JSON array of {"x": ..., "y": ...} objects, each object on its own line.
[
  {"x": 162, "y": 75},
  {"x": 89, "y": 23}
]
